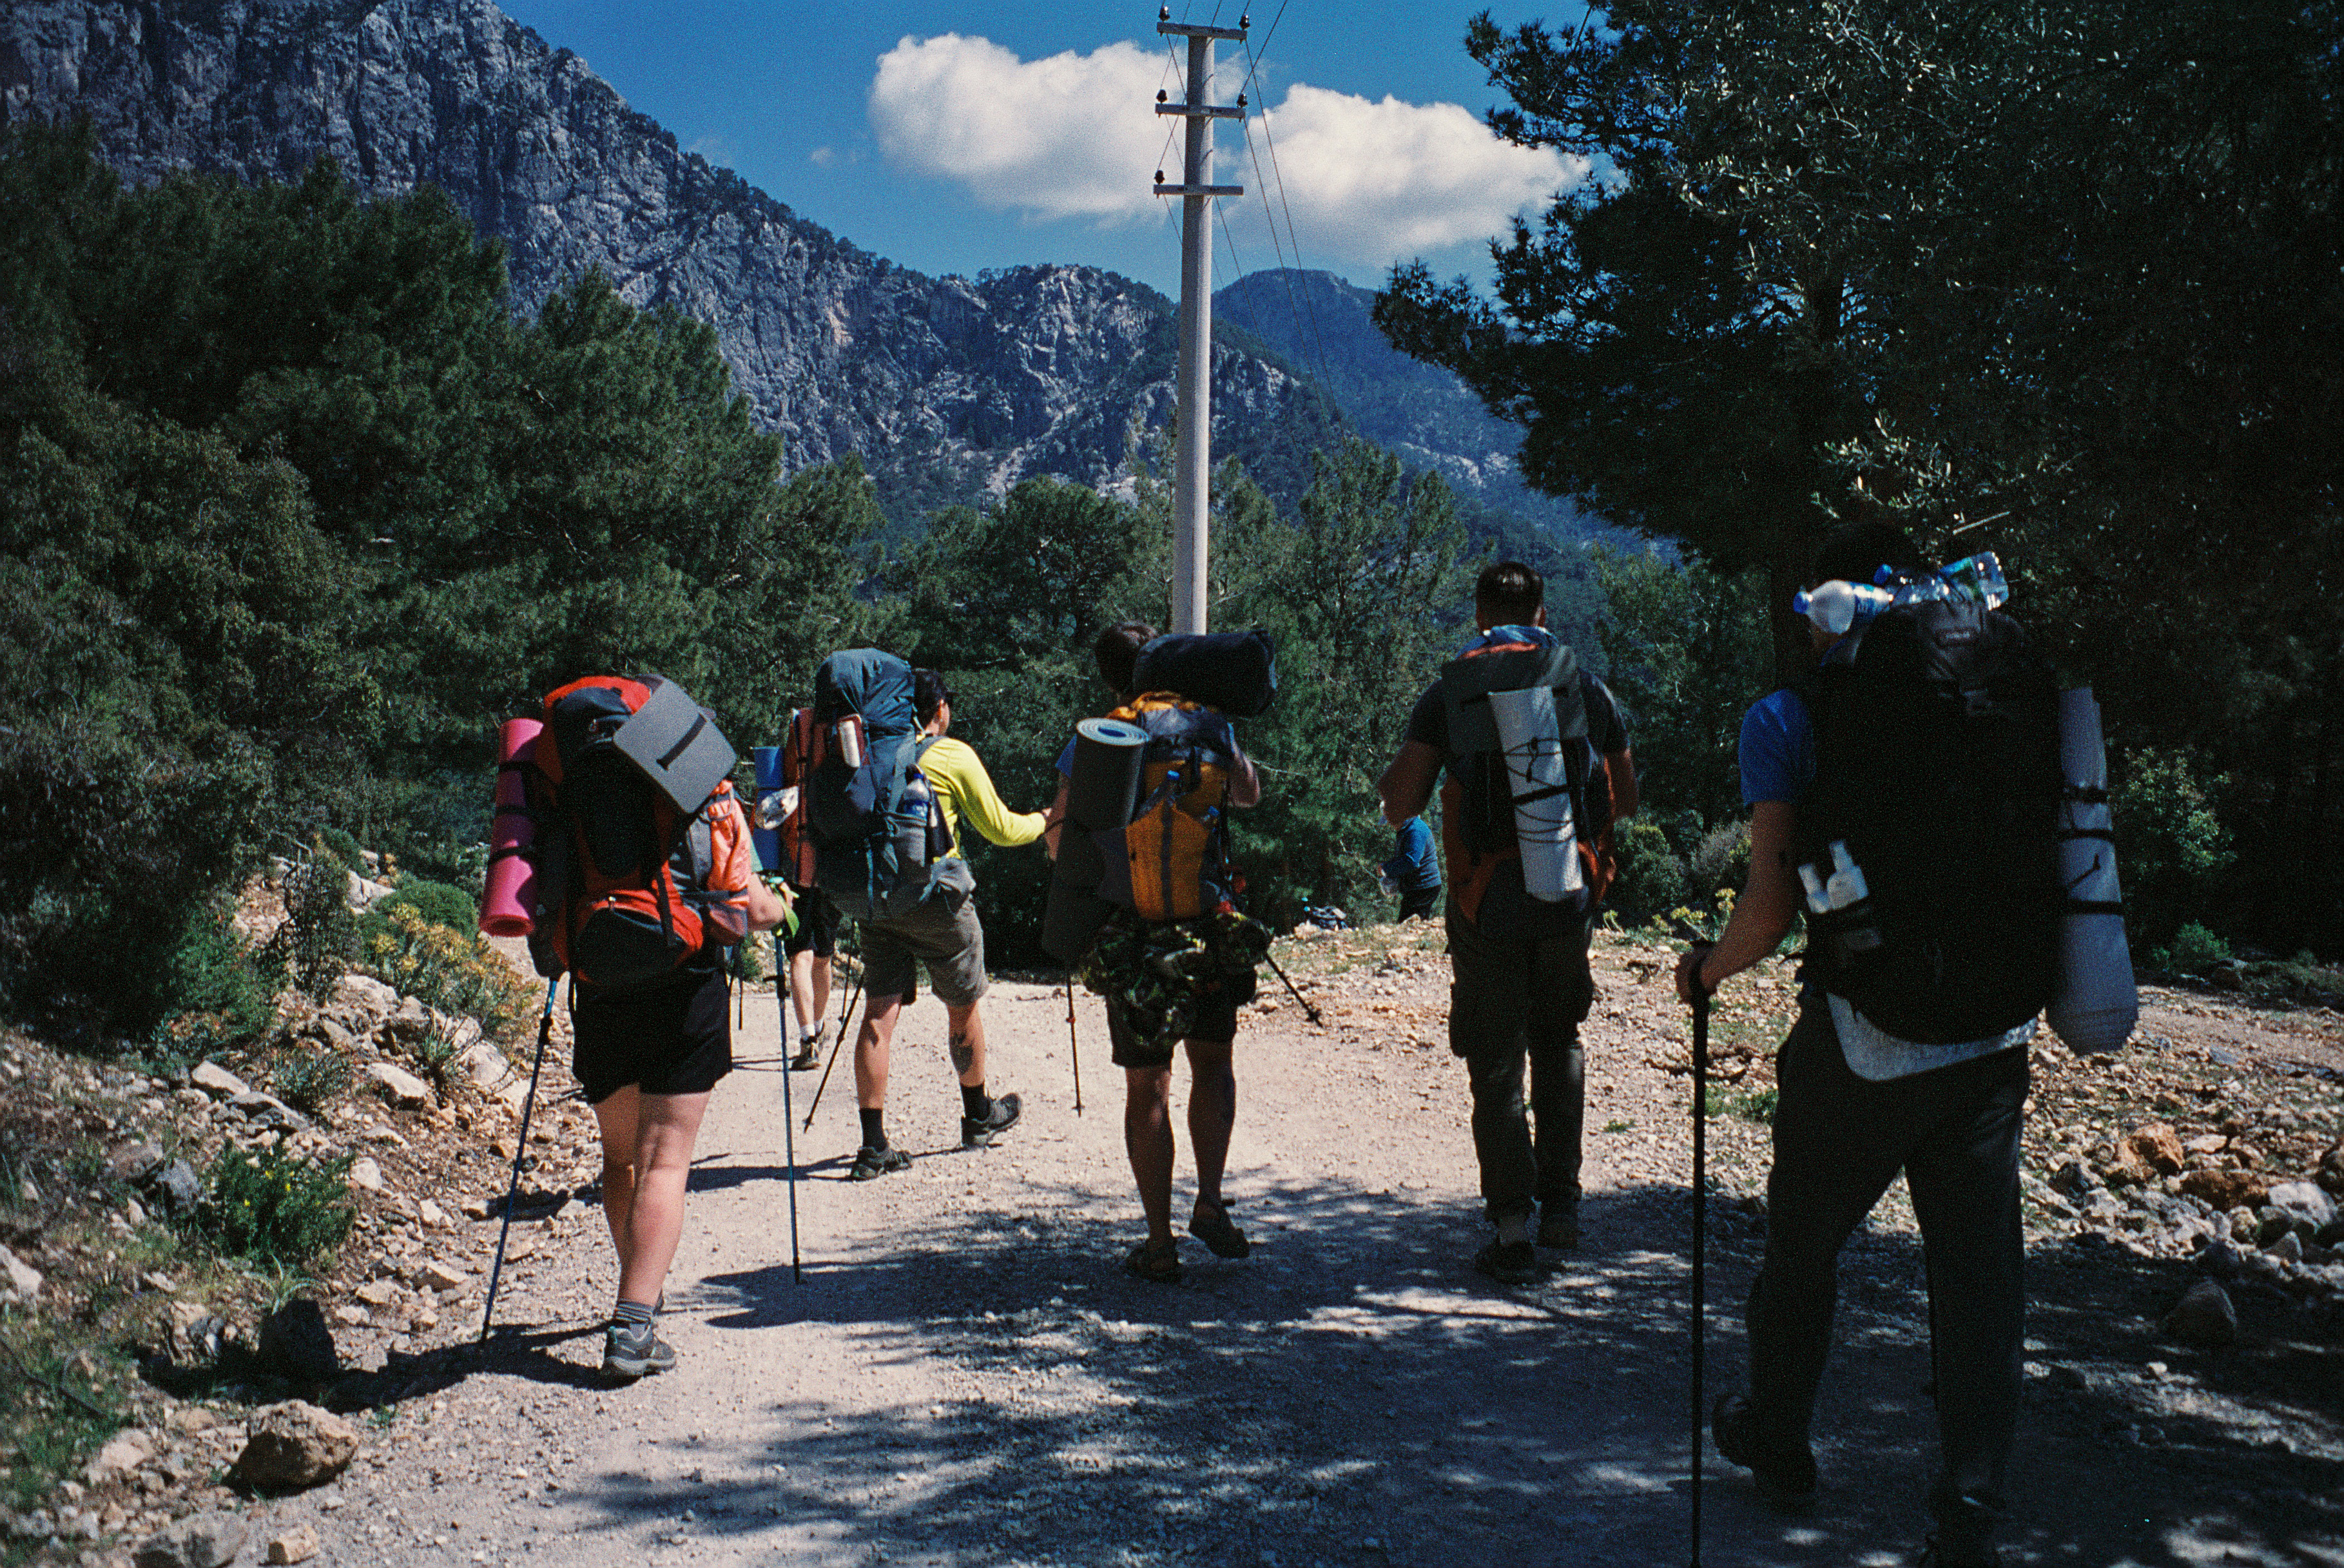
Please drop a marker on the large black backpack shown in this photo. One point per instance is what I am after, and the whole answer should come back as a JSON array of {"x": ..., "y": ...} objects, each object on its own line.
[
  {"x": 871, "y": 825},
  {"x": 1937, "y": 730}
]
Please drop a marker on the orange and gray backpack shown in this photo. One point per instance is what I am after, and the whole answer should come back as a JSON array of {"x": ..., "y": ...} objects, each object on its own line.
[
  {"x": 630, "y": 774},
  {"x": 1176, "y": 860}
]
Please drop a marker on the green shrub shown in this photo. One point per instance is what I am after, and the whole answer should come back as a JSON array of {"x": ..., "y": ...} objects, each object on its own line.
[
  {"x": 345, "y": 848},
  {"x": 2169, "y": 843},
  {"x": 453, "y": 972},
  {"x": 310, "y": 1077},
  {"x": 436, "y": 903},
  {"x": 1722, "y": 859},
  {"x": 211, "y": 971},
  {"x": 319, "y": 938},
  {"x": 2195, "y": 951},
  {"x": 1651, "y": 875},
  {"x": 274, "y": 1209}
]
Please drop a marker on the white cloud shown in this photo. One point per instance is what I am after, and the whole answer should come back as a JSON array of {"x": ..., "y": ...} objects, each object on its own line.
[{"x": 1076, "y": 136}]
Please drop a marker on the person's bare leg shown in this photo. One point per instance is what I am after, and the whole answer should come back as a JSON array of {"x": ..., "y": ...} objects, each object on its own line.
[
  {"x": 1148, "y": 1139},
  {"x": 820, "y": 971},
  {"x": 967, "y": 1043},
  {"x": 1212, "y": 1115},
  {"x": 872, "y": 1046},
  {"x": 616, "y": 1115},
  {"x": 667, "y": 1126},
  {"x": 804, "y": 1001}
]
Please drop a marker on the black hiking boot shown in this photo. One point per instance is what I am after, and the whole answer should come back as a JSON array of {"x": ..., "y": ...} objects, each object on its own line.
[
  {"x": 871, "y": 1164},
  {"x": 978, "y": 1132},
  {"x": 632, "y": 1351},
  {"x": 1507, "y": 1262},
  {"x": 1784, "y": 1478}
]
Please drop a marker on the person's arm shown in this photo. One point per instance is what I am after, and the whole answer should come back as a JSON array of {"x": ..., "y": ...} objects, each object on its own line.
[
  {"x": 735, "y": 872},
  {"x": 1406, "y": 788},
  {"x": 1244, "y": 783},
  {"x": 1056, "y": 817},
  {"x": 766, "y": 907},
  {"x": 1762, "y": 916},
  {"x": 981, "y": 805},
  {"x": 1620, "y": 766}
]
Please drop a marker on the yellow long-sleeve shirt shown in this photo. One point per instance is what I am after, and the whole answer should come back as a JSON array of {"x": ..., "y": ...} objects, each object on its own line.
[{"x": 965, "y": 791}]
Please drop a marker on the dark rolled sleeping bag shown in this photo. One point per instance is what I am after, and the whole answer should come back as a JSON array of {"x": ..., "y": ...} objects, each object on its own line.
[{"x": 1236, "y": 671}]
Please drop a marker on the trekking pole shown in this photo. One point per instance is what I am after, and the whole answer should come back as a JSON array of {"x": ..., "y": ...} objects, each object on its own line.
[
  {"x": 1700, "y": 1228},
  {"x": 520, "y": 1152},
  {"x": 845, "y": 1012},
  {"x": 1291, "y": 991},
  {"x": 789, "y": 1113},
  {"x": 1073, "y": 1051}
]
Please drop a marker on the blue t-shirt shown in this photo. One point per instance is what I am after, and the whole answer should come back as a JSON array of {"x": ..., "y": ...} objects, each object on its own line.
[
  {"x": 1413, "y": 866},
  {"x": 1777, "y": 756}
]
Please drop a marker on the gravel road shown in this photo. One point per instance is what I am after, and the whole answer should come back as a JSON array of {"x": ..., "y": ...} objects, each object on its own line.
[{"x": 965, "y": 1376}]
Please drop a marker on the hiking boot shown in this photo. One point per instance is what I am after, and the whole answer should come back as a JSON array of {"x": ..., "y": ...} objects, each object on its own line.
[
  {"x": 1507, "y": 1262},
  {"x": 629, "y": 1352},
  {"x": 871, "y": 1164},
  {"x": 978, "y": 1132},
  {"x": 1559, "y": 1225},
  {"x": 1784, "y": 1478}
]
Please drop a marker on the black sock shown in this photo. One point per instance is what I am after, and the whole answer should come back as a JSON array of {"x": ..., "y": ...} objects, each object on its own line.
[
  {"x": 974, "y": 1103},
  {"x": 875, "y": 1129},
  {"x": 632, "y": 1314}
]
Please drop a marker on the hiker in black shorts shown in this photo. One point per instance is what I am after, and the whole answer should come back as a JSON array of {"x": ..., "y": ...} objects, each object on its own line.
[
  {"x": 1147, "y": 1068},
  {"x": 808, "y": 952}
]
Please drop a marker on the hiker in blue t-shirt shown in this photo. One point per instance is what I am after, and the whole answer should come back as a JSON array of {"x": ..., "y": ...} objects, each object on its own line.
[
  {"x": 1414, "y": 869},
  {"x": 1852, "y": 1113}
]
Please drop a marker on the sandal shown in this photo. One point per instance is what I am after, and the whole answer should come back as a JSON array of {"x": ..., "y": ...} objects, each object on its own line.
[
  {"x": 1158, "y": 1267},
  {"x": 1225, "y": 1239}
]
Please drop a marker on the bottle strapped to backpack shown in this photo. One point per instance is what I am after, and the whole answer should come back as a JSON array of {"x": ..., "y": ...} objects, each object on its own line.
[
  {"x": 629, "y": 772},
  {"x": 1523, "y": 776}
]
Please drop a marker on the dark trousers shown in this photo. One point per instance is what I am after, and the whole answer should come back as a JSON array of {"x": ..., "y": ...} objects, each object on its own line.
[
  {"x": 1518, "y": 1001},
  {"x": 1416, "y": 901},
  {"x": 1839, "y": 1141}
]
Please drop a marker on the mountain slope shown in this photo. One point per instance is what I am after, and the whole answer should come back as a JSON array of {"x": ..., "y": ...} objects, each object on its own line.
[{"x": 950, "y": 388}]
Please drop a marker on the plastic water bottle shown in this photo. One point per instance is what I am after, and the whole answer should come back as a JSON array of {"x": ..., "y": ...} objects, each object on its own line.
[
  {"x": 1979, "y": 579},
  {"x": 1846, "y": 885},
  {"x": 1839, "y": 607},
  {"x": 1818, "y": 901}
]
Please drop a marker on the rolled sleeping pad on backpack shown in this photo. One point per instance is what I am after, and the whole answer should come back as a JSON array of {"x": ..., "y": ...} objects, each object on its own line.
[
  {"x": 1100, "y": 795},
  {"x": 2096, "y": 1004},
  {"x": 1236, "y": 671},
  {"x": 512, "y": 892},
  {"x": 1531, "y": 735},
  {"x": 767, "y": 841}
]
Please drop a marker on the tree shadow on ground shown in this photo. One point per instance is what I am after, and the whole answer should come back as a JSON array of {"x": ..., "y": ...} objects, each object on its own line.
[{"x": 1353, "y": 1393}]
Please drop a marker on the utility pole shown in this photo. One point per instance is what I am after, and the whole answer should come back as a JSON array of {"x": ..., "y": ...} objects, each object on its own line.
[{"x": 1192, "y": 470}]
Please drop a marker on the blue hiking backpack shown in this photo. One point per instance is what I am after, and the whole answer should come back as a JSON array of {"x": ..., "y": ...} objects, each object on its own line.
[{"x": 870, "y": 821}]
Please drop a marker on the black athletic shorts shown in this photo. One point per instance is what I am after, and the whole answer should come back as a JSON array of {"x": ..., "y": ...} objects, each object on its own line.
[
  {"x": 1216, "y": 1019},
  {"x": 817, "y": 929},
  {"x": 672, "y": 1038}
]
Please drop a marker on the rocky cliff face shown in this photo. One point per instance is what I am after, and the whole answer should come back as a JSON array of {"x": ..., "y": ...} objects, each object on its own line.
[{"x": 949, "y": 387}]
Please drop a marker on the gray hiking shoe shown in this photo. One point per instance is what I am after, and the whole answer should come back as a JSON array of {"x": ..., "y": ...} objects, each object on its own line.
[
  {"x": 871, "y": 1164},
  {"x": 978, "y": 1132},
  {"x": 629, "y": 1352}
]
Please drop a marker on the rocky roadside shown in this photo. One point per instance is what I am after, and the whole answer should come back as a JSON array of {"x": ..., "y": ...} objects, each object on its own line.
[{"x": 2180, "y": 1205}]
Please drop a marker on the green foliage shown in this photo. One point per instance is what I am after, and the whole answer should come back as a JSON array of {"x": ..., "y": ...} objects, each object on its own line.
[
  {"x": 434, "y": 903},
  {"x": 272, "y": 1209},
  {"x": 211, "y": 971},
  {"x": 54, "y": 1414},
  {"x": 1721, "y": 859},
  {"x": 452, "y": 971},
  {"x": 311, "y": 1078},
  {"x": 2195, "y": 951},
  {"x": 319, "y": 938},
  {"x": 2170, "y": 845},
  {"x": 1652, "y": 874}
]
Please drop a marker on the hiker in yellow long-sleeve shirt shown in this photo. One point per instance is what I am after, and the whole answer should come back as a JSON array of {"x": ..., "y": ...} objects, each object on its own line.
[{"x": 943, "y": 934}]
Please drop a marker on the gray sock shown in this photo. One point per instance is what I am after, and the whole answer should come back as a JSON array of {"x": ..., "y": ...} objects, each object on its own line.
[{"x": 632, "y": 1315}]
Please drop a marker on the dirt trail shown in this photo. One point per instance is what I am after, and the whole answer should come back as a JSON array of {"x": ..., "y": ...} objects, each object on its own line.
[{"x": 966, "y": 1377}]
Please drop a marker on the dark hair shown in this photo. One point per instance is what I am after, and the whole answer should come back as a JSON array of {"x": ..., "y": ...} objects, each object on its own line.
[
  {"x": 1852, "y": 551},
  {"x": 929, "y": 692},
  {"x": 1509, "y": 595},
  {"x": 1117, "y": 650}
]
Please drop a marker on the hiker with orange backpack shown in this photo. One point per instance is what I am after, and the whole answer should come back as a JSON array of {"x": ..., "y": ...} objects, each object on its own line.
[
  {"x": 1176, "y": 894},
  {"x": 1538, "y": 770},
  {"x": 644, "y": 879}
]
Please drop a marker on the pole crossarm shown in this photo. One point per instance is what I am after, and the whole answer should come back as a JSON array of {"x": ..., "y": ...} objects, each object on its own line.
[
  {"x": 1203, "y": 111},
  {"x": 1200, "y": 190},
  {"x": 1193, "y": 30}
]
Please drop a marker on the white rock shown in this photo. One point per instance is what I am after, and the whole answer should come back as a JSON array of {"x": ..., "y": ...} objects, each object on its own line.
[
  {"x": 364, "y": 892},
  {"x": 403, "y": 1086},
  {"x": 364, "y": 996},
  {"x": 2303, "y": 1198},
  {"x": 440, "y": 1276},
  {"x": 366, "y": 1173},
  {"x": 125, "y": 1450},
  {"x": 385, "y": 1134},
  {"x": 23, "y": 1277},
  {"x": 431, "y": 1214},
  {"x": 218, "y": 1081},
  {"x": 484, "y": 1063}
]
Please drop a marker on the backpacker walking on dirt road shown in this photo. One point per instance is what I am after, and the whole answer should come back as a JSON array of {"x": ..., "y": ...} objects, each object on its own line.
[
  {"x": 885, "y": 810},
  {"x": 1910, "y": 784},
  {"x": 640, "y": 896},
  {"x": 1193, "y": 929},
  {"x": 1538, "y": 770}
]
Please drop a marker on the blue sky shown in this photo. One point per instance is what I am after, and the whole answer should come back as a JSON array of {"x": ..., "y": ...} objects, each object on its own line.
[{"x": 951, "y": 138}]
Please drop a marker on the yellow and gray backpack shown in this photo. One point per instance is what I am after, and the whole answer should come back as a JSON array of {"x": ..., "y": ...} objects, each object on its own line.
[{"x": 1176, "y": 860}]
